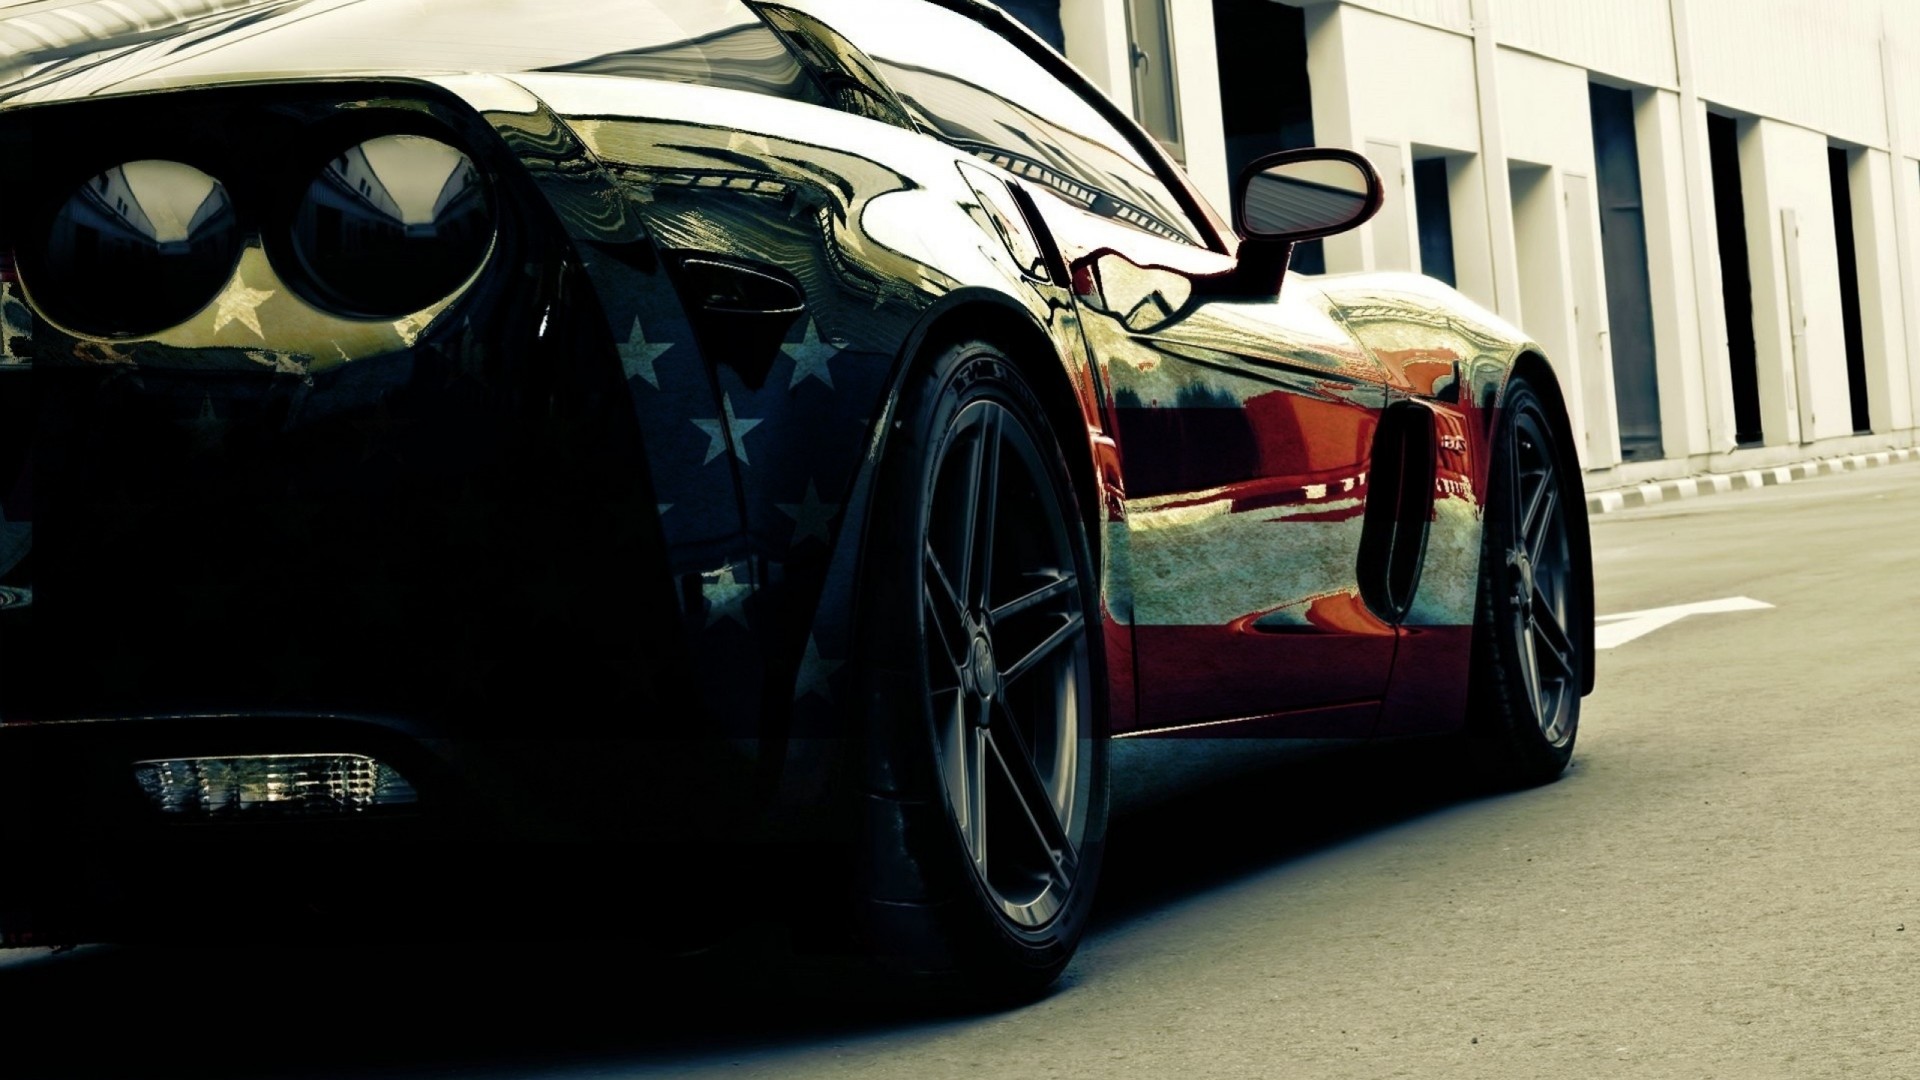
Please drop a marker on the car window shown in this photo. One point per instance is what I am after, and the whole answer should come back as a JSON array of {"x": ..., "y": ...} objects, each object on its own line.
[
  {"x": 844, "y": 74},
  {"x": 964, "y": 82}
]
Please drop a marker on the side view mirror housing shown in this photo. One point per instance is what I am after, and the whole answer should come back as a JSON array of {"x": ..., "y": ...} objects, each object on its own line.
[
  {"x": 1299, "y": 195},
  {"x": 1284, "y": 198}
]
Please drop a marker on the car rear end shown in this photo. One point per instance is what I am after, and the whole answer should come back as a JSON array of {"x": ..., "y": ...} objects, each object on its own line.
[{"x": 335, "y": 595}]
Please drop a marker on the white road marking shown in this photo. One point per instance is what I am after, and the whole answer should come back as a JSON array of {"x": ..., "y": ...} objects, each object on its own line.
[{"x": 1615, "y": 630}]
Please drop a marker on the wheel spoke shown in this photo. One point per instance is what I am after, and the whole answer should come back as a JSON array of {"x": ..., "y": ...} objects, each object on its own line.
[
  {"x": 944, "y": 609},
  {"x": 1530, "y": 663},
  {"x": 942, "y": 632},
  {"x": 982, "y": 496},
  {"x": 1059, "y": 586},
  {"x": 1548, "y": 633},
  {"x": 963, "y": 758},
  {"x": 1032, "y": 794},
  {"x": 1516, "y": 489},
  {"x": 1066, "y": 632},
  {"x": 1539, "y": 526},
  {"x": 977, "y": 744},
  {"x": 981, "y": 587}
]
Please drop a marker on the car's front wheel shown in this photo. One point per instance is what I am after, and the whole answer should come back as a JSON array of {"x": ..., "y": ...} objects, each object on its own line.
[
  {"x": 986, "y": 786},
  {"x": 1529, "y": 657}
]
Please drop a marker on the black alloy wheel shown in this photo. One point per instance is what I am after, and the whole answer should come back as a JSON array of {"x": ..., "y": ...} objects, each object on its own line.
[
  {"x": 988, "y": 795},
  {"x": 1530, "y": 660}
]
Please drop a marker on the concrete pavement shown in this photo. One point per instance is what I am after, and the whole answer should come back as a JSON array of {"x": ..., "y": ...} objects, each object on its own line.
[{"x": 1726, "y": 884}]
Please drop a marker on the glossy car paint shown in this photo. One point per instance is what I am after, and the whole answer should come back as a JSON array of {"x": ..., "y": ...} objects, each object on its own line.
[{"x": 609, "y": 496}]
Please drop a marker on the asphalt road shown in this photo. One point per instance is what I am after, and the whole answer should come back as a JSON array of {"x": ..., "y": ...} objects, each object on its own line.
[{"x": 1726, "y": 884}]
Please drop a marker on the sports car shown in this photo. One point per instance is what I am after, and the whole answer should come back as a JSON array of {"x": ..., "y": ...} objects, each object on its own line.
[{"x": 465, "y": 460}]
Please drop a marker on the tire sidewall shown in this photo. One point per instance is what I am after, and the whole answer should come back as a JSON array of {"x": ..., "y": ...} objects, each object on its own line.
[
  {"x": 1514, "y": 748},
  {"x": 898, "y": 750}
]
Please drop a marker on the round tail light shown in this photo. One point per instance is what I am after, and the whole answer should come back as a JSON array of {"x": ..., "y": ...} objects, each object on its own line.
[
  {"x": 391, "y": 225},
  {"x": 137, "y": 249}
]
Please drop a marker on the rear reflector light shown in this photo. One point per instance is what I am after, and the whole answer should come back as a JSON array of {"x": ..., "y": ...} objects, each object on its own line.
[
  {"x": 298, "y": 785},
  {"x": 7, "y": 271}
]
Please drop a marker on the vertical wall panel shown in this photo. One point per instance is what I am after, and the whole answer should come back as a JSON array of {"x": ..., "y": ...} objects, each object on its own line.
[
  {"x": 1903, "y": 32},
  {"x": 1453, "y": 15},
  {"x": 1627, "y": 39},
  {"x": 1813, "y": 63}
]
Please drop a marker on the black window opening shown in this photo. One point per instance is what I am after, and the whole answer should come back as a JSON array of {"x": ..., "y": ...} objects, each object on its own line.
[
  {"x": 1433, "y": 213},
  {"x": 1042, "y": 17},
  {"x": 1266, "y": 98},
  {"x": 1839, "y": 160},
  {"x": 1736, "y": 277},
  {"x": 1623, "y": 247}
]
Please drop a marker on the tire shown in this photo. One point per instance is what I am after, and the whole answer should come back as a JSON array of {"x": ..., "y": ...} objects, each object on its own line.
[
  {"x": 1530, "y": 646},
  {"x": 984, "y": 806}
]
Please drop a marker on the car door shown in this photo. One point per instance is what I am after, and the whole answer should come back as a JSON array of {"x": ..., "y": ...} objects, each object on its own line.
[
  {"x": 1242, "y": 423},
  {"x": 1245, "y": 426}
]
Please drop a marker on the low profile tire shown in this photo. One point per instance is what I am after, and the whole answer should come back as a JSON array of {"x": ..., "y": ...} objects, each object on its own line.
[
  {"x": 985, "y": 763},
  {"x": 1529, "y": 656}
]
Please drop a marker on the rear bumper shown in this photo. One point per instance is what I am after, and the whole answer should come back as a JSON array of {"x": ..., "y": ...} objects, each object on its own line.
[{"x": 518, "y": 836}]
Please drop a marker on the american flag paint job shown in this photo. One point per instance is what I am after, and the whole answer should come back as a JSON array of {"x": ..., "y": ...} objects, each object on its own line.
[{"x": 595, "y": 506}]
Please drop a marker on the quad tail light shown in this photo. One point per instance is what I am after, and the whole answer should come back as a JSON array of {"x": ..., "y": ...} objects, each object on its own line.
[
  {"x": 384, "y": 228},
  {"x": 273, "y": 785},
  {"x": 136, "y": 249},
  {"x": 390, "y": 226}
]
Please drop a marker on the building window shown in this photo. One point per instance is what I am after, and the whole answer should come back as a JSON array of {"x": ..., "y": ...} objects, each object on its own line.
[
  {"x": 1623, "y": 247},
  {"x": 1042, "y": 17},
  {"x": 1266, "y": 98},
  {"x": 1433, "y": 214},
  {"x": 1155, "y": 99},
  {"x": 1736, "y": 285},
  {"x": 1840, "y": 162}
]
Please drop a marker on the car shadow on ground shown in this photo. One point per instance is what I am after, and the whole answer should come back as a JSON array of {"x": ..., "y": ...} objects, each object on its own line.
[{"x": 494, "y": 1008}]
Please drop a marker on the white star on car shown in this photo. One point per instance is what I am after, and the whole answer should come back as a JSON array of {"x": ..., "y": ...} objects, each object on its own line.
[
  {"x": 725, "y": 595},
  {"x": 811, "y": 515},
  {"x": 637, "y": 356},
  {"x": 810, "y": 357},
  {"x": 727, "y": 434},
  {"x": 241, "y": 304}
]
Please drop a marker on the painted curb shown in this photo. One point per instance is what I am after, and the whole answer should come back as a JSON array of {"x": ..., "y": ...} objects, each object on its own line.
[{"x": 1692, "y": 487}]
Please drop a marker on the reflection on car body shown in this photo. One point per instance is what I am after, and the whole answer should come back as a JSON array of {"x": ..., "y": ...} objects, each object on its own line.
[{"x": 529, "y": 449}]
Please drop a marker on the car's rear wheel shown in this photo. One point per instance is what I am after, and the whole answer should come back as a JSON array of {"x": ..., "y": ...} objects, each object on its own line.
[
  {"x": 986, "y": 757},
  {"x": 1529, "y": 659}
]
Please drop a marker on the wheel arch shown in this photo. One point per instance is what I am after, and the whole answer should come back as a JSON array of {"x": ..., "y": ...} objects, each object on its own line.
[
  {"x": 993, "y": 317},
  {"x": 1532, "y": 365}
]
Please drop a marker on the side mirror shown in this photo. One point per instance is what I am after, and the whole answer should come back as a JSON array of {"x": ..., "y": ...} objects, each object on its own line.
[{"x": 1302, "y": 194}]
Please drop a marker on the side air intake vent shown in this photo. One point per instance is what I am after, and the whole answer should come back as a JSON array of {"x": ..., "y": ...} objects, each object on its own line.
[{"x": 1393, "y": 541}]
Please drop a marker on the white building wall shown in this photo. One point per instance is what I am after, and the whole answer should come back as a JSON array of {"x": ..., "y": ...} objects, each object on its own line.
[
  {"x": 1630, "y": 39},
  {"x": 1549, "y": 140},
  {"x": 1882, "y": 305},
  {"x": 1197, "y": 65},
  {"x": 1455, "y": 15},
  {"x": 1901, "y": 28},
  {"x": 1409, "y": 79},
  {"x": 1543, "y": 106},
  {"x": 1366, "y": 96},
  {"x": 1906, "y": 184},
  {"x": 1097, "y": 43},
  {"x": 1809, "y": 382},
  {"x": 1670, "y": 274},
  {"x": 1814, "y": 63},
  {"x": 1096, "y": 34},
  {"x": 1900, "y": 76}
]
